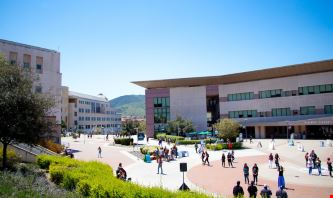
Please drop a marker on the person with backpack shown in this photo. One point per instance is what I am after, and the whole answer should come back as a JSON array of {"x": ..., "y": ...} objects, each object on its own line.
[
  {"x": 281, "y": 193},
  {"x": 252, "y": 189},
  {"x": 318, "y": 165},
  {"x": 266, "y": 192},
  {"x": 238, "y": 190},
  {"x": 223, "y": 160},
  {"x": 206, "y": 158},
  {"x": 255, "y": 171},
  {"x": 246, "y": 170}
]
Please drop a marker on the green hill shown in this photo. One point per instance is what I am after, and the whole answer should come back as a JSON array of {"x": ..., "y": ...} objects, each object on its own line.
[{"x": 130, "y": 105}]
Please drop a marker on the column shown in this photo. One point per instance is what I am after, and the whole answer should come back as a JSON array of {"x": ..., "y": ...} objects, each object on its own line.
[
  {"x": 262, "y": 131},
  {"x": 257, "y": 132}
]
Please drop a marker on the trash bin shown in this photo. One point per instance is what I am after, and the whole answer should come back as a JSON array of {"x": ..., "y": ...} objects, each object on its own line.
[{"x": 147, "y": 158}]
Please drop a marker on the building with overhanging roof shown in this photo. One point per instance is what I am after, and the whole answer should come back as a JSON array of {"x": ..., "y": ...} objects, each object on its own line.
[
  {"x": 45, "y": 65},
  {"x": 89, "y": 114},
  {"x": 268, "y": 103}
]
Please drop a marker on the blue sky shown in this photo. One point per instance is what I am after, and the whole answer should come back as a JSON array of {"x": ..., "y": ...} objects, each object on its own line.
[{"x": 107, "y": 44}]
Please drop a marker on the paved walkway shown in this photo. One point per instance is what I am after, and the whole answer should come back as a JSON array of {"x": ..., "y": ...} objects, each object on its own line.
[{"x": 214, "y": 179}]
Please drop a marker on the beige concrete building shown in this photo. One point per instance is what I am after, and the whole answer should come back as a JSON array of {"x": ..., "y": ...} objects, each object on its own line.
[
  {"x": 90, "y": 114},
  {"x": 267, "y": 103},
  {"x": 45, "y": 64}
]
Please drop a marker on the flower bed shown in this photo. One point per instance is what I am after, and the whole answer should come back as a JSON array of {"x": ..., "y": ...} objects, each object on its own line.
[
  {"x": 94, "y": 179},
  {"x": 165, "y": 137},
  {"x": 216, "y": 147},
  {"x": 186, "y": 142},
  {"x": 148, "y": 149}
]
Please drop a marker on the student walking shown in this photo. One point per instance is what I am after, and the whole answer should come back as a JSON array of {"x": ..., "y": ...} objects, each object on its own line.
[
  {"x": 203, "y": 155},
  {"x": 310, "y": 165},
  {"x": 206, "y": 158},
  {"x": 270, "y": 160},
  {"x": 238, "y": 190},
  {"x": 329, "y": 166},
  {"x": 277, "y": 158},
  {"x": 306, "y": 158},
  {"x": 229, "y": 157},
  {"x": 252, "y": 189},
  {"x": 99, "y": 152},
  {"x": 196, "y": 147},
  {"x": 318, "y": 165},
  {"x": 159, "y": 162},
  {"x": 255, "y": 171},
  {"x": 223, "y": 160},
  {"x": 246, "y": 170},
  {"x": 281, "y": 181}
]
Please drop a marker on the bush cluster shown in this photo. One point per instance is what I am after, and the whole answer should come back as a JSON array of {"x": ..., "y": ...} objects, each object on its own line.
[
  {"x": 186, "y": 142},
  {"x": 123, "y": 141},
  {"x": 148, "y": 149},
  {"x": 216, "y": 147},
  {"x": 173, "y": 138},
  {"x": 94, "y": 179},
  {"x": 57, "y": 148},
  {"x": 12, "y": 158}
]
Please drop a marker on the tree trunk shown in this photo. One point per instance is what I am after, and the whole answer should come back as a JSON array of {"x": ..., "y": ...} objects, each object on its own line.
[{"x": 4, "y": 156}]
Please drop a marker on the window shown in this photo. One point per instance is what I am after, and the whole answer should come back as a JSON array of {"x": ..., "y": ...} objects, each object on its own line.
[
  {"x": 281, "y": 112},
  {"x": 328, "y": 109},
  {"x": 309, "y": 110},
  {"x": 270, "y": 93},
  {"x": 75, "y": 113},
  {"x": 161, "y": 109},
  {"x": 316, "y": 89},
  {"x": 242, "y": 114},
  {"x": 13, "y": 58},
  {"x": 26, "y": 61},
  {"x": 240, "y": 96},
  {"x": 39, "y": 64},
  {"x": 87, "y": 110}
]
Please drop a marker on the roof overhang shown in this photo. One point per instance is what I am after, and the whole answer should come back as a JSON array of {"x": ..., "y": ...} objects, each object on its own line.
[{"x": 277, "y": 72}]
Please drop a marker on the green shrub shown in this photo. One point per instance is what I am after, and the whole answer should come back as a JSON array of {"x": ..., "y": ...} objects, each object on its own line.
[
  {"x": 186, "y": 142},
  {"x": 216, "y": 147},
  {"x": 173, "y": 138},
  {"x": 12, "y": 158},
  {"x": 124, "y": 141},
  {"x": 148, "y": 149},
  {"x": 94, "y": 179}
]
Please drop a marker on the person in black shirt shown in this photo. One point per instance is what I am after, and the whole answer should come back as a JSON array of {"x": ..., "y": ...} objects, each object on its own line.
[
  {"x": 266, "y": 192},
  {"x": 252, "y": 189},
  {"x": 121, "y": 173},
  {"x": 223, "y": 160},
  {"x": 238, "y": 190},
  {"x": 281, "y": 193},
  {"x": 229, "y": 159},
  {"x": 255, "y": 171}
]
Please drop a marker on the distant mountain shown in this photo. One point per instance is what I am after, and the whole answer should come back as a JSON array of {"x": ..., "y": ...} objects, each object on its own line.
[{"x": 130, "y": 105}]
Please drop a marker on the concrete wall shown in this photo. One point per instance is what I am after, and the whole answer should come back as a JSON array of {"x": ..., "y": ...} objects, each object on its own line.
[
  {"x": 189, "y": 103},
  {"x": 286, "y": 84}
]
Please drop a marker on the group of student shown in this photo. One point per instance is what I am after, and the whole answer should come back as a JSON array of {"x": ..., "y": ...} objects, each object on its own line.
[
  {"x": 312, "y": 161},
  {"x": 238, "y": 191}
]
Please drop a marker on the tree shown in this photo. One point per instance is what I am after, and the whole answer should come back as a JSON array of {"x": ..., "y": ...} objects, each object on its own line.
[
  {"x": 180, "y": 126},
  {"x": 227, "y": 128},
  {"x": 23, "y": 112},
  {"x": 142, "y": 126}
]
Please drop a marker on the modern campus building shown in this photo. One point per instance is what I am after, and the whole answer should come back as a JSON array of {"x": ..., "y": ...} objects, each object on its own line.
[
  {"x": 268, "y": 103},
  {"x": 45, "y": 64},
  {"x": 89, "y": 113}
]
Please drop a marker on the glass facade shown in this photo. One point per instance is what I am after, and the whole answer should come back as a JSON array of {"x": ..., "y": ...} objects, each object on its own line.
[
  {"x": 161, "y": 113},
  {"x": 281, "y": 112}
]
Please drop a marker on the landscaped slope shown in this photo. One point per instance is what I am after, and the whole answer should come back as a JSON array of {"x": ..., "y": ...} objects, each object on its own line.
[{"x": 130, "y": 105}]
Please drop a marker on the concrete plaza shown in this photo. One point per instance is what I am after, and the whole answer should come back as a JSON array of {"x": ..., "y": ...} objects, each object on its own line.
[{"x": 215, "y": 179}]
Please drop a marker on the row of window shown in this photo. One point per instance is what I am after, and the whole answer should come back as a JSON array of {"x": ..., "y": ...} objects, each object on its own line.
[
  {"x": 104, "y": 126},
  {"x": 241, "y": 96},
  {"x": 308, "y": 110},
  {"x": 317, "y": 89},
  {"x": 82, "y": 118},
  {"x": 27, "y": 61},
  {"x": 243, "y": 114},
  {"x": 327, "y": 88}
]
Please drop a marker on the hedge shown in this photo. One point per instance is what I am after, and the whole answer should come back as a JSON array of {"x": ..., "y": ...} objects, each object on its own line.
[
  {"x": 94, "y": 179},
  {"x": 216, "y": 147},
  {"x": 12, "y": 158},
  {"x": 173, "y": 138},
  {"x": 123, "y": 141},
  {"x": 207, "y": 141}
]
